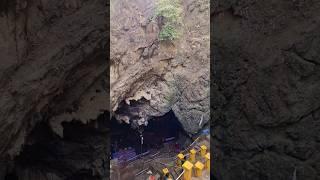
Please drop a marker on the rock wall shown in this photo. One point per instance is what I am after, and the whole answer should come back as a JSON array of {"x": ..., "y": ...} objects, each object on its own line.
[
  {"x": 53, "y": 70},
  {"x": 148, "y": 77},
  {"x": 266, "y": 90}
]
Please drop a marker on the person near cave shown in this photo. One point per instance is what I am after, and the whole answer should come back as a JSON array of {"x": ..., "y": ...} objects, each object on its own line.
[
  {"x": 140, "y": 130},
  {"x": 141, "y": 141}
]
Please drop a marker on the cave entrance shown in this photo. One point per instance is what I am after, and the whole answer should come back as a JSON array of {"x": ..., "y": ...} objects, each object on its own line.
[{"x": 161, "y": 132}]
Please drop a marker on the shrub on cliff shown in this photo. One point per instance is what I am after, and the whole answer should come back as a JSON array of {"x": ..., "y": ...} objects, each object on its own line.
[
  {"x": 171, "y": 13},
  {"x": 168, "y": 32}
]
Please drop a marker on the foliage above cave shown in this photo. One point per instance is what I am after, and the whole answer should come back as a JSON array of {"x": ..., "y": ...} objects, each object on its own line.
[
  {"x": 169, "y": 12},
  {"x": 168, "y": 32}
]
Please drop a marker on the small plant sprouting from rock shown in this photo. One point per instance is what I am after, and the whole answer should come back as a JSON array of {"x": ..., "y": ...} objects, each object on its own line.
[
  {"x": 169, "y": 12},
  {"x": 168, "y": 32}
]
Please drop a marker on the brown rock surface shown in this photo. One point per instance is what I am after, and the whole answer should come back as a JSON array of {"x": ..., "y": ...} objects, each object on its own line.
[
  {"x": 159, "y": 76},
  {"x": 53, "y": 85},
  {"x": 53, "y": 70},
  {"x": 266, "y": 90}
]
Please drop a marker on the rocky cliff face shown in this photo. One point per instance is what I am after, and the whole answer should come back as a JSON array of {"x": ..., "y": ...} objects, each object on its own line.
[
  {"x": 53, "y": 71},
  {"x": 266, "y": 101},
  {"x": 150, "y": 77},
  {"x": 53, "y": 81}
]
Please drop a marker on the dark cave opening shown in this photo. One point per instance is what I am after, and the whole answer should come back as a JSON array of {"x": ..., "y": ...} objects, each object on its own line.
[
  {"x": 46, "y": 152},
  {"x": 11, "y": 176},
  {"x": 159, "y": 131}
]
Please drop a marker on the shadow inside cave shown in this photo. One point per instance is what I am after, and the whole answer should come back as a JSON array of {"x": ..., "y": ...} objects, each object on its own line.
[
  {"x": 126, "y": 141},
  {"x": 81, "y": 154}
]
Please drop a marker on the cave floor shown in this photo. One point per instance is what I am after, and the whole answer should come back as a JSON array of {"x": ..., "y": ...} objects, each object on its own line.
[{"x": 156, "y": 160}]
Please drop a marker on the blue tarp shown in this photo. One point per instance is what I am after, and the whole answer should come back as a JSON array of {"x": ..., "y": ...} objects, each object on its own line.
[
  {"x": 205, "y": 131},
  {"x": 124, "y": 155}
]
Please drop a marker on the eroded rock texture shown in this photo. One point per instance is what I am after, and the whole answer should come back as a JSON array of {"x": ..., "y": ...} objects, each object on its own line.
[
  {"x": 149, "y": 78},
  {"x": 266, "y": 101},
  {"x": 53, "y": 71}
]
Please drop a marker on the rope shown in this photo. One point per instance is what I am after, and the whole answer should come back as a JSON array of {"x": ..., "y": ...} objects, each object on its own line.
[{"x": 180, "y": 175}]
